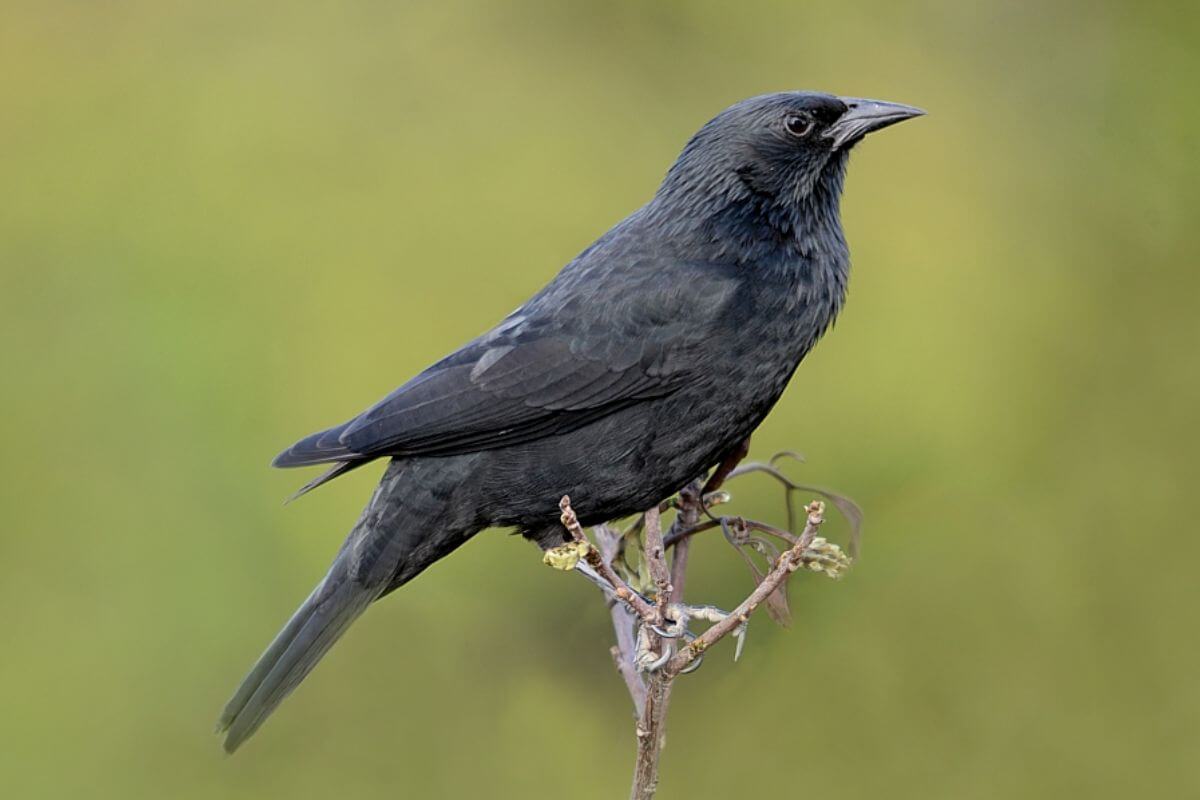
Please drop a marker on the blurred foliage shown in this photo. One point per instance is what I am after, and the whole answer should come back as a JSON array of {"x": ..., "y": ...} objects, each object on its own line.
[{"x": 224, "y": 225}]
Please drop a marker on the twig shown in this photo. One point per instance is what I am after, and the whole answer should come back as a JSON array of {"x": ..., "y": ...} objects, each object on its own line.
[
  {"x": 651, "y": 726},
  {"x": 652, "y": 721},
  {"x": 847, "y": 507},
  {"x": 679, "y": 562},
  {"x": 623, "y": 621},
  {"x": 656, "y": 563},
  {"x": 648, "y": 661},
  {"x": 602, "y": 567},
  {"x": 789, "y": 561},
  {"x": 691, "y": 504},
  {"x": 677, "y": 537},
  {"x": 651, "y": 735}
]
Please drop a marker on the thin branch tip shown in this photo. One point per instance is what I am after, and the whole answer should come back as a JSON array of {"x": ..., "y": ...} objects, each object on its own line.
[{"x": 650, "y": 618}]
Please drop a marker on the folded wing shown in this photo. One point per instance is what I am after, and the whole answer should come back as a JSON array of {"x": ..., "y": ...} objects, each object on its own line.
[
  {"x": 554, "y": 366},
  {"x": 496, "y": 395}
]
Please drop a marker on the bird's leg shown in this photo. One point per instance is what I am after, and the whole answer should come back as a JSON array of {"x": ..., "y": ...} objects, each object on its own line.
[
  {"x": 728, "y": 464},
  {"x": 678, "y": 616},
  {"x": 713, "y": 615},
  {"x": 645, "y": 658}
]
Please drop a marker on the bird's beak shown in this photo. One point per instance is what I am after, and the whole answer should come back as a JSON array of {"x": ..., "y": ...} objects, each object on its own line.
[{"x": 863, "y": 116}]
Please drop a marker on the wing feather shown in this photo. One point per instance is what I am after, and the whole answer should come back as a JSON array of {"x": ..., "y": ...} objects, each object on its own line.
[
  {"x": 533, "y": 389},
  {"x": 553, "y": 366}
]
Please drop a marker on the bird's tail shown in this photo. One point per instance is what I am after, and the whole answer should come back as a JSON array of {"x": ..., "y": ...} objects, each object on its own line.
[
  {"x": 365, "y": 567},
  {"x": 325, "y": 615},
  {"x": 406, "y": 527}
]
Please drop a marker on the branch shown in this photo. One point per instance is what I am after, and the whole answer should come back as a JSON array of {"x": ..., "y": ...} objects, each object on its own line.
[
  {"x": 789, "y": 561},
  {"x": 651, "y": 735},
  {"x": 650, "y": 650},
  {"x": 691, "y": 505},
  {"x": 623, "y": 621},
  {"x": 847, "y": 507},
  {"x": 602, "y": 567},
  {"x": 651, "y": 727},
  {"x": 656, "y": 563}
]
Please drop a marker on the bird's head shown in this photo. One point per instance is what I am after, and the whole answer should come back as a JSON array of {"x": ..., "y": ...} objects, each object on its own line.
[{"x": 780, "y": 148}]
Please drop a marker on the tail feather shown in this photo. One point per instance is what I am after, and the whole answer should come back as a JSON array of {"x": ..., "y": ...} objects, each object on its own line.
[
  {"x": 318, "y": 448},
  {"x": 406, "y": 527},
  {"x": 338, "y": 469},
  {"x": 336, "y": 602}
]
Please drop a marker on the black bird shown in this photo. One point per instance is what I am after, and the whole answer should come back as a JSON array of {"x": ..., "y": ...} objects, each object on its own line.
[{"x": 648, "y": 359}]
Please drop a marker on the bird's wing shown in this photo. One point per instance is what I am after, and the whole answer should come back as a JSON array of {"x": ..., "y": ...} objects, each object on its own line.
[
  {"x": 538, "y": 375},
  {"x": 509, "y": 394}
]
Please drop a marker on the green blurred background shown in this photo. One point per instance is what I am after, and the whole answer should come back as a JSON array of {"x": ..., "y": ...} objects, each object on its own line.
[{"x": 224, "y": 225}]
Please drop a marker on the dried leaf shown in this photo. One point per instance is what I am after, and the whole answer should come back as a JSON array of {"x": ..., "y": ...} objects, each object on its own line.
[
  {"x": 792, "y": 454},
  {"x": 845, "y": 506},
  {"x": 777, "y": 606},
  {"x": 848, "y": 509},
  {"x": 776, "y": 602}
]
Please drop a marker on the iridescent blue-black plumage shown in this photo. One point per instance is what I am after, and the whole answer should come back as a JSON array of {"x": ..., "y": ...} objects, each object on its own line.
[{"x": 645, "y": 360}]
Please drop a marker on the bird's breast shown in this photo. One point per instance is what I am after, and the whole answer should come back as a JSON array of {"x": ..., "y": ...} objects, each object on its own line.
[{"x": 794, "y": 301}]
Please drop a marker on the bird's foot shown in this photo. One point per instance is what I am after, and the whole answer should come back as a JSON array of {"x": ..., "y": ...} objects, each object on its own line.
[
  {"x": 713, "y": 615},
  {"x": 677, "y": 617},
  {"x": 645, "y": 658}
]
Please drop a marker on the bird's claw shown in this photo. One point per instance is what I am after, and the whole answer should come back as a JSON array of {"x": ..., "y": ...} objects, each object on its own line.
[
  {"x": 713, "y": 615},
  {"x": 649, "y": 662},
  {"x": 645, "y": 658},
  {"x": 671, "y": 631},
  {"x": 678, "y": 616},
  {"x": 675, "y": 617},
  {"x": 739, "y": 634}
]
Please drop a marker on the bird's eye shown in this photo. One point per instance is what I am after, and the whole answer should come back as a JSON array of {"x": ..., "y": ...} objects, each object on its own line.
[{"x": 798, "y": 125}]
